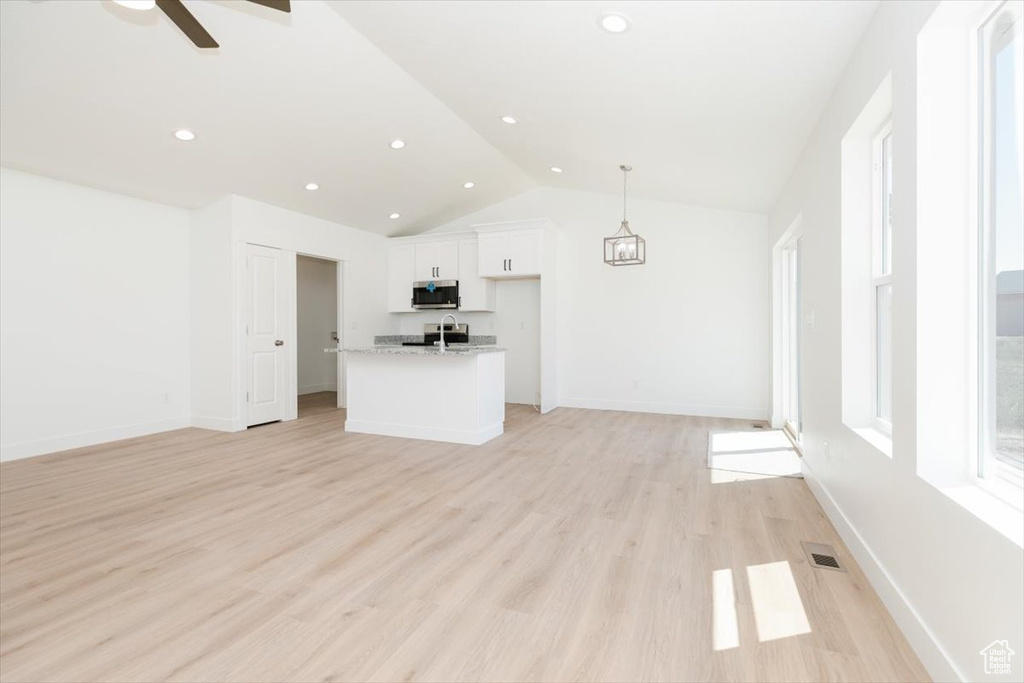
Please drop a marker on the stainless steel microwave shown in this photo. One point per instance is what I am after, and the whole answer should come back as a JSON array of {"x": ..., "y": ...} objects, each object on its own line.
[{"x": 435, "y": 294}]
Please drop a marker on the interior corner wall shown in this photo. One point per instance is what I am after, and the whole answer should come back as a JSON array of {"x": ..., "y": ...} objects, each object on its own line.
[
  {"x": 213, "y": 370},
  {"x": 686, "y": 333},
  {"x": 899, "y": 527},
  {"x": 94, "y": 316}
]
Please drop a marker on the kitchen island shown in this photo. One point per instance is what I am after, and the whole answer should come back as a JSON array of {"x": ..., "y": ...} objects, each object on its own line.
[{"x": 419, "y": 392}]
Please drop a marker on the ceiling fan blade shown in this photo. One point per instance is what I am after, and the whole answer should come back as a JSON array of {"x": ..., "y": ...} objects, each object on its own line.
[
  {"x": 188, "y": 24},
  {"x": 281, "y": 5}
]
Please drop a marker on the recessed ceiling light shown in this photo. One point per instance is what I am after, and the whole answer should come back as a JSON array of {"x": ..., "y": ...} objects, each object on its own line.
[
  {"x": 508, "y": 119},
  {"x": 312, "y": 186},
  {"x": 613, "y": 22},
  {"x": 136, "y": 4},
  {"x": 395, "y": 215},
  {"x": 468, "y": 185},
  {"x": 184, "y": 134},
  {"x": 397, "y": 144},
  {"x": 555, "y": 169}
]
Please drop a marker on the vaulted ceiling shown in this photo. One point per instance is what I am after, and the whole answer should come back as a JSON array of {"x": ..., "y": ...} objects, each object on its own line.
[{"x": 711, "y": 102}]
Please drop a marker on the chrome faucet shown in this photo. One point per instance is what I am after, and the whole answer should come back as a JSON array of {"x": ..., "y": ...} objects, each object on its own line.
[{"x": 441, "y": 344}]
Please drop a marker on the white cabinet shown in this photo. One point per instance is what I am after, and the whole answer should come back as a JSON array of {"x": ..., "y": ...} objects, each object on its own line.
[
  {"x": 511, "y": 253},
  {"x": 401, "y": 273},
  {"x": 475, "y": 293},
  {"x": 437, "y": 261}
]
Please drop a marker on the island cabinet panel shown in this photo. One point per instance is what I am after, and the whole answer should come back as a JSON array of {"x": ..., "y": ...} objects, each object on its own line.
[{"x": 393, "y": 392}]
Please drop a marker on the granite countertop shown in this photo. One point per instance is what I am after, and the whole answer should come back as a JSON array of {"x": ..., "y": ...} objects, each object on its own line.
[
  {"x": 452, "y": 350},
  {"x": 397, "y": 339}
]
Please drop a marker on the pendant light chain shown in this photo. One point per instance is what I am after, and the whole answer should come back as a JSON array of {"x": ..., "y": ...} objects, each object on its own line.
[{"x": 624, "y": 176}]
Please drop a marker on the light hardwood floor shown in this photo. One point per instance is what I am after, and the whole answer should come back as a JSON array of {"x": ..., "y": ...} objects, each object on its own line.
[{"x": 581, "y": 545}]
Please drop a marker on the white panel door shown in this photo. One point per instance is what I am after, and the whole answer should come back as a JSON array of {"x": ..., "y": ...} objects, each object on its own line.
[{"x": 266, "y": 360}]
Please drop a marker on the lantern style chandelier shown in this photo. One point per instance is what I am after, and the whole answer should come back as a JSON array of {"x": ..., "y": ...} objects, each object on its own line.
[{"x": 624, "y": 248}]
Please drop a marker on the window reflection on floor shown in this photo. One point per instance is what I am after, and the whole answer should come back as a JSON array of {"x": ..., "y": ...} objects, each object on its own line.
[
  {"x": 750, "y": 455},
  {"x": 725, "y": 633},
  {"x": 778, "y": 609}
]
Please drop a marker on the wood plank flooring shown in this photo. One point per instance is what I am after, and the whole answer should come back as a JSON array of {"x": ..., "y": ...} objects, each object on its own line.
[{"x": 580, "y": 545}]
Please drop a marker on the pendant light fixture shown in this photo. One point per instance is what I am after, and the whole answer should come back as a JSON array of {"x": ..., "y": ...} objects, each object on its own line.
[{"x": 624, "y": 248}]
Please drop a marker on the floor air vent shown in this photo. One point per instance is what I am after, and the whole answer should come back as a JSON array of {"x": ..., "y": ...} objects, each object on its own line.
[{"x": 822, "y": 556}]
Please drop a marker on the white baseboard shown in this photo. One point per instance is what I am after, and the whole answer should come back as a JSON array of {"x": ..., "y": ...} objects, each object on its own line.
[
  {"x": 219, "y": 424},
  {"x": 664, "y": 408},
  {"x": 426, "y": 433},
  {"x": 939, "y": 665},
  {"x": 28, "y": 449},
  {"x": 317, "y": 388}
]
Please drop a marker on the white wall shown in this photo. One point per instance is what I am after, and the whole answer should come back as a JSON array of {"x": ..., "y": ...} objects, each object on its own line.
[
  {"x": 516, "y": 323},
  {"x": 364, "y": 304},
  {"x": 317, "y": 318},
  {"x": 952, "y": 582},
  {"x": 685, "y": 333},
  {"x": 94, "y": 316},
  {"x": 212, "y": 315}
]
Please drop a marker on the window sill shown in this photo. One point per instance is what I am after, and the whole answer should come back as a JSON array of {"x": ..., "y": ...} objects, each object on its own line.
[
  {"x": 875, "y": 438},
  {"x": 989, "y": 508}
]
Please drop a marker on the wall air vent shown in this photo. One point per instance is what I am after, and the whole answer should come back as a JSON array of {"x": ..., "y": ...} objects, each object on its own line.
[{"x": 822, "y": 556}]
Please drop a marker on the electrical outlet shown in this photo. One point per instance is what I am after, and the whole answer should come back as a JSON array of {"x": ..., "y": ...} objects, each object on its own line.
[
  {"x": 826, "y": 451},
  {"x": 167, "y": 397},
  {"x": 809, "y": 320},
  {"x": 636, "y": 384},
  {"x": 354, "y": 325},
  {"x": 522, "y": 325}
]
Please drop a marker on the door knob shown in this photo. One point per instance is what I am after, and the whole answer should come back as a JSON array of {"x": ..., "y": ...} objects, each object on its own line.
[{"x": 279, "y": 342}]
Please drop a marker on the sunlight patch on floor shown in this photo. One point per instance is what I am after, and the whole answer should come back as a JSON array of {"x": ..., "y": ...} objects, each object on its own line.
[
  {"x": 778, "y": 609},
  {"x": 749, "y": 455},
  {"x": 725, "y": 633}
]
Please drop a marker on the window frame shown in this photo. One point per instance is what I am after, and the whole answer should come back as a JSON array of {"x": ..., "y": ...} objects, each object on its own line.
[
  {"x": 879, "y": 276},
  {"x": 791, "y": 328},
  {"x": 984, "y": 428}
]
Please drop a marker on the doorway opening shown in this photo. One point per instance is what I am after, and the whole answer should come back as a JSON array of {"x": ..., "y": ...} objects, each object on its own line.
[{"x": 318, "y": 374}]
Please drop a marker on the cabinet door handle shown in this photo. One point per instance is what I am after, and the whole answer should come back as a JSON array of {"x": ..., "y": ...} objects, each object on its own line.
[
  {"x": 460, "y": 302},
  {"x": 510, "y": 265},
  {"x": 504, "y": 264}
]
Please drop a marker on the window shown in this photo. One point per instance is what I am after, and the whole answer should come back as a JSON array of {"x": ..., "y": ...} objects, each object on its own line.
[
  {"x": 791, "y": 339},
  {"x": 881, "y": 281},
  {"x": 1001, "y": 252},
  {"x": 866, "y": 272}
]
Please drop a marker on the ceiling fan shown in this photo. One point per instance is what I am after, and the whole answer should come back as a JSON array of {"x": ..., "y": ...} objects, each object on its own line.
[{"x": 188, "y": 24}]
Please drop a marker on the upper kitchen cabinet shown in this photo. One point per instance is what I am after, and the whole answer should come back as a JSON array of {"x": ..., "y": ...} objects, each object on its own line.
[
  {"x": 437, "y": 261},
  {"x": 510, "y": 253},
  {"x": 401, "y": 273},
  {"x": 475, "y": 292}
]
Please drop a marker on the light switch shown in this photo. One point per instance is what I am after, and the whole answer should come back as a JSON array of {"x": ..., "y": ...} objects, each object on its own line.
[{"x": 809, "y": 320}]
